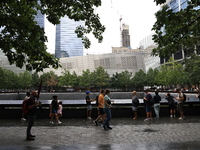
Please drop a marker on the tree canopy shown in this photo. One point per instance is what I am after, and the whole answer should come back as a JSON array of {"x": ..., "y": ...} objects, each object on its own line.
[
  {"x": 23, "y": 41},
  {"x": 177, "y": 30}
]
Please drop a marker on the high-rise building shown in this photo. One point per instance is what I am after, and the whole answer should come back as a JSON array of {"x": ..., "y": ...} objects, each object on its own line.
[
  {"x": 176, "y": 5},
  {"x": 67, "y": 43},
  {"x": 39, "y": 18},
  {"x": 125, "y": 36}
]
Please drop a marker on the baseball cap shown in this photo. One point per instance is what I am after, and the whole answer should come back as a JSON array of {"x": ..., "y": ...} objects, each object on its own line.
[{"x": 87, "y": 92}]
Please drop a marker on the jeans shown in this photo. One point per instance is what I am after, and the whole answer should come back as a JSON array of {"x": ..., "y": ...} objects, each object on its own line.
[
  {"x": 157, "y": 109},
  {"x": 108, "y": 116},
  {"x": 31, "y": 120}
]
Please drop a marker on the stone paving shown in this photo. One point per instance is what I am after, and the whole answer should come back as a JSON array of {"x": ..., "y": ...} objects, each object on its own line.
[{"x": 81, "y": 134}]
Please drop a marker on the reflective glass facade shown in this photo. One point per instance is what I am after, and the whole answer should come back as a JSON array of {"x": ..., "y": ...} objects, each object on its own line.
[
  {"x": 40, "y": 19},
  {"x": 67, "y": 43},
  {"x": 177, "y": 5}
]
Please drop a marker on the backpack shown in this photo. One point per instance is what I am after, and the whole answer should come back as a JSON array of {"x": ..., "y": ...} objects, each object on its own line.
[
  {"x": 97, "y": 103},
  {"x": 25, "y": 108},
  {"x": 184, "y": 97}
]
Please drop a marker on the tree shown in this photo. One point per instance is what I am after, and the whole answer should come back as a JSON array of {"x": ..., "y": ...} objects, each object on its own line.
[
  {"x": 125, "y": 79},
  {"x": 86, "y": 79},
  {"x": 23, "y": 41},
  {"x": 150, "y": 77},
  {"x": 25, "y": 79},
  {"x": 35, "y": 80},
  {"x": 50, "y": 79},
  {"x": 101, "y": 77},
  {"x": 74, "y": 79},
  {"x": 115, "y": 80},
  {"x": 65, "y": 79},
  {"x": 175, "y": 31},
  {"x": 160, "y": 78},
  {"x": 192, "y": 69},
  {"x": 10, "y": 80},
  {"x": 139, "y": 79}
]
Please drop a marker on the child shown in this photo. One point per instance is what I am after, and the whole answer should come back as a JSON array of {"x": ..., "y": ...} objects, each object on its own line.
[
  {"x": 54, "y": 109},
  {"x": 89, "y": 106},
  {"x": 59, "y": 112}
]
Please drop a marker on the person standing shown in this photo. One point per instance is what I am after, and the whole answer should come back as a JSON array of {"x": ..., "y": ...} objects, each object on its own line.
[
  {"x": 172, "y": 105},
  {"x": 32, "y": 106},
  {"x": 100, "y": 106},
  {"x": 180, "y": 104},
  {"x": 54, "y": 109},
  {"x": 23, "y": 105},
  {"x": 148, "y": 106},
  {"x": 107, "y": 110},
  {"x": 135, "y": 104},
  {"x": 156, "y": 105},
  {"x": 89, "y": 106},
  {"x": 59, "y": 109}
]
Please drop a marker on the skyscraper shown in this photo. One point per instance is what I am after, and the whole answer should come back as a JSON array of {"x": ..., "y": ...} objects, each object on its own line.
[
  {"x": 125, "y": 36},
  {"x": 39, "y": 18},
  {"x": 67, "y": 43},
  {"x": 177, "y": 5}
]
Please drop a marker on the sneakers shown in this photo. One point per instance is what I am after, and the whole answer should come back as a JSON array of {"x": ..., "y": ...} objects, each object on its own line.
[
  {"x": 146, "y": 119},
  {"x": 171, "y": 116},
  {"x": 51, "y": 122},
  {"x": 29, "y": 138},
  {"x": 59, "y": 122},
  {"x": 104, "y": 127},
  {"x": 89, "y": 118},
  {"x": 95, "y": 123},
  {"x": 109, "y": 128},
  {"x": 174, "y": 116},
  {"x": 181, "y": 118},
  {"x": 23, "y": 119}
]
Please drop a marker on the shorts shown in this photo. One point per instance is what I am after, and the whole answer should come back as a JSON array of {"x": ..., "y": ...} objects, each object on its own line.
[
  {"x": 101, "y": 111},
  {"x": 180, "y": 107},
  {"x": 148, "y": 108},
  {"x": 134, "y": 108},
  {"x": 89, "y": 107},
  {"x": 54, "y": 111},
  {"x": 172, "y": 106}
]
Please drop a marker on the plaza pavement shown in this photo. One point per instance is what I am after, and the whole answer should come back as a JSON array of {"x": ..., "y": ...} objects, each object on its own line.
[{"x": 81, "y": 134}]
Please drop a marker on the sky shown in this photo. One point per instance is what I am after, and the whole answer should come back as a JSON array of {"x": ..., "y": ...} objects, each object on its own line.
[{"x": 138, "y": 14}]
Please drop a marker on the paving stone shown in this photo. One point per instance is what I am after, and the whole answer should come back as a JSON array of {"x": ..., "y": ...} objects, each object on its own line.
[{"x": 81, "y": 134}]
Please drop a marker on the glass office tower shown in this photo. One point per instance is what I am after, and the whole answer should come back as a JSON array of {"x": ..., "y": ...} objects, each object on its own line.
[
  {"x": 40, "y": 19},
  {"x": 67, "y": 43},
  {"x": 177, "y": 5}
]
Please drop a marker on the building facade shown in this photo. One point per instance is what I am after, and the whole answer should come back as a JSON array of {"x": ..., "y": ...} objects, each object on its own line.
[
  {"x": 176, "y": 6},
  {"x": 131, "y": 61},
  {"x": 125, "y": 36},
  {"x": 67, "y": 43},
  {"x": 39, "y": 18}
]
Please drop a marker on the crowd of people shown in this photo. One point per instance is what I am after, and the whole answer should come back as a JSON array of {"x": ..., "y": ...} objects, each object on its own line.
[
  {"x": 150, "y": 103},
  {"x": 104, "y": 105}
]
